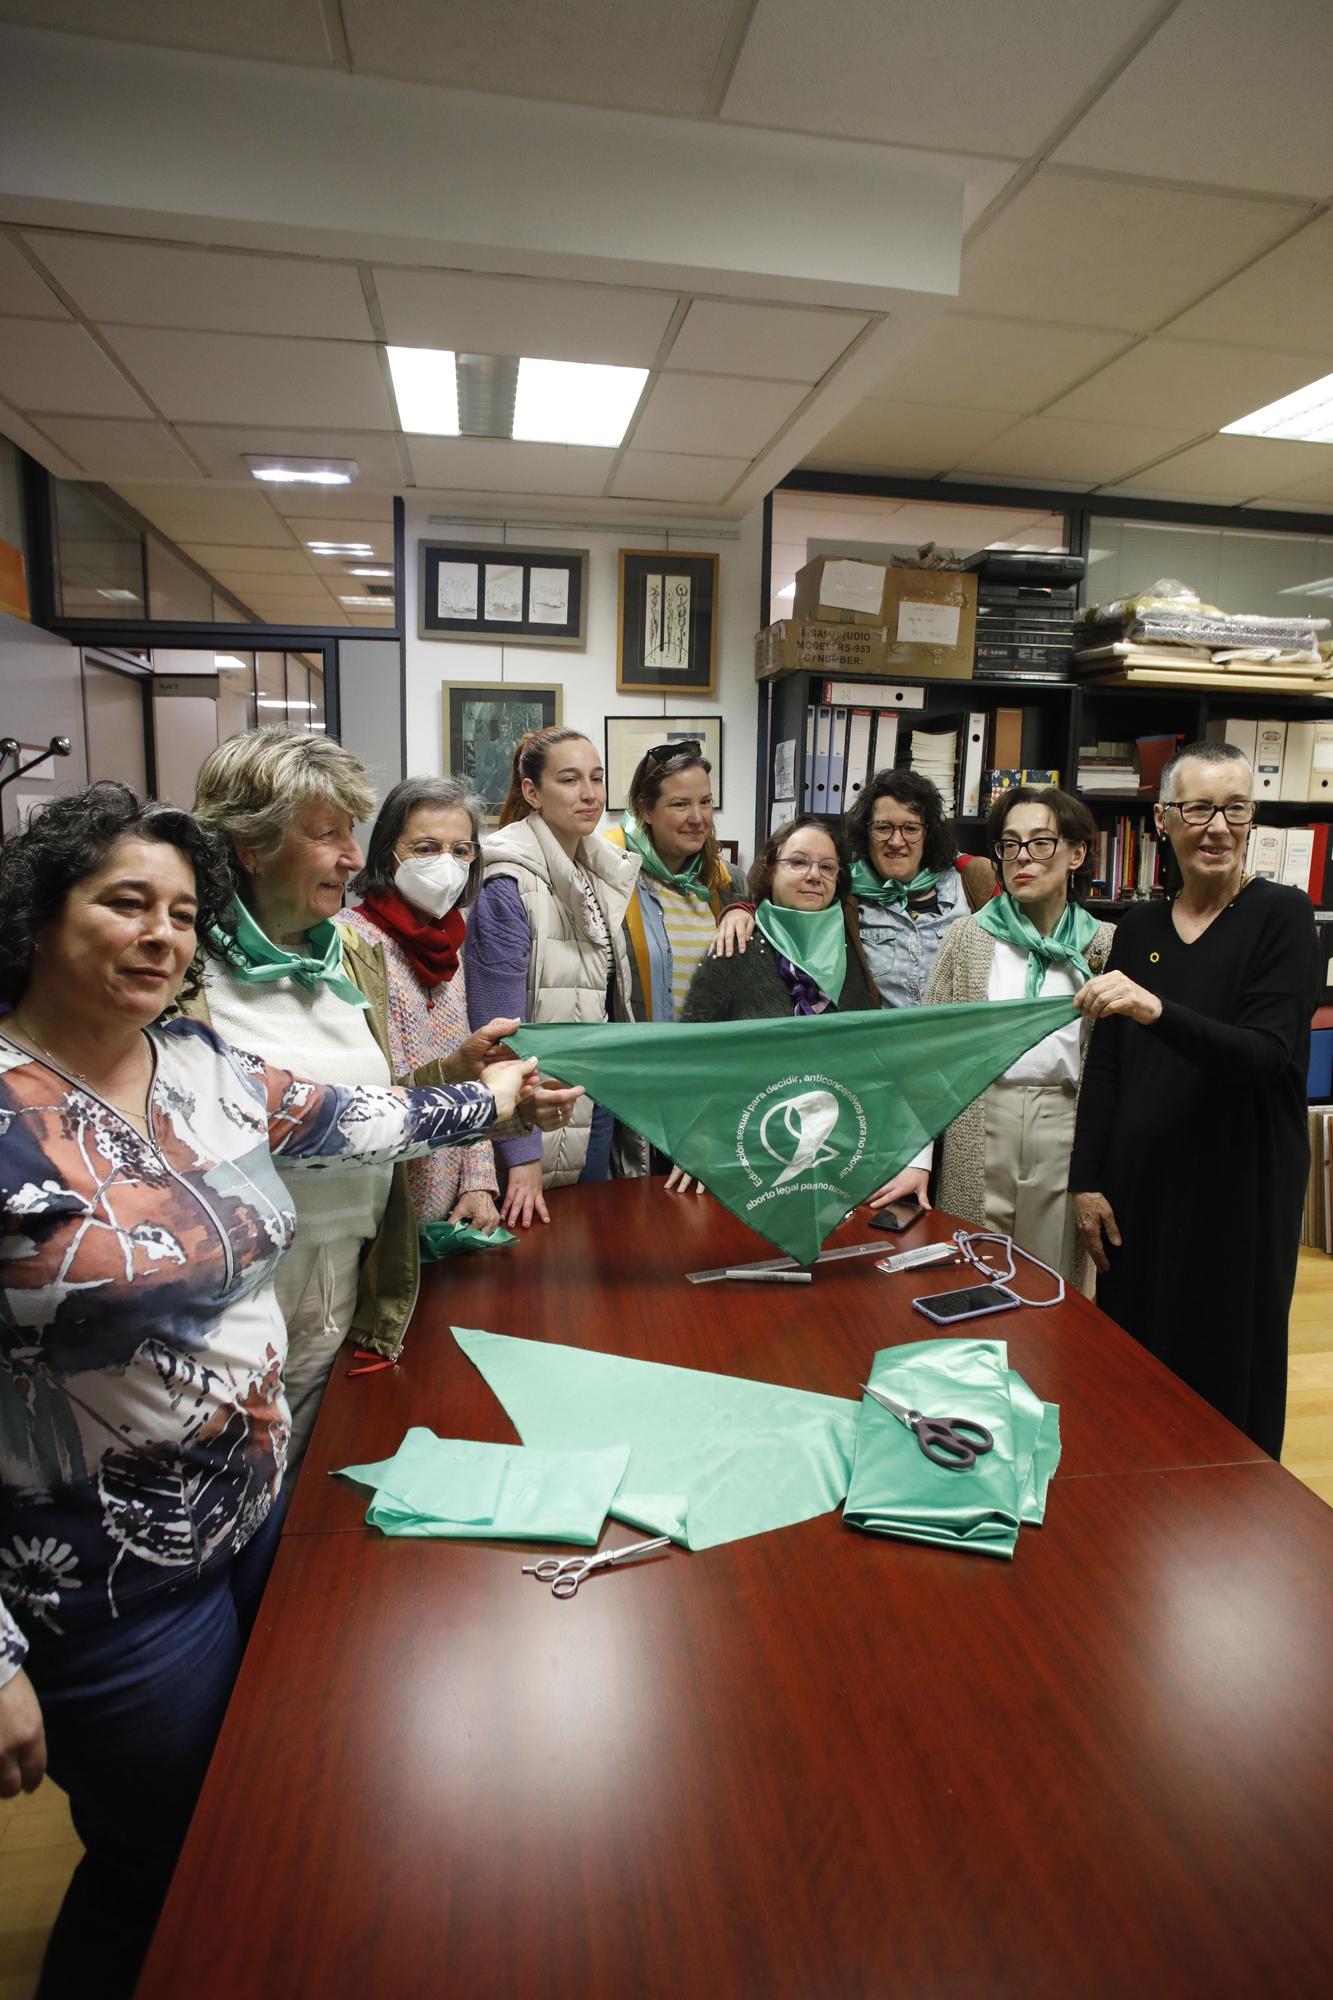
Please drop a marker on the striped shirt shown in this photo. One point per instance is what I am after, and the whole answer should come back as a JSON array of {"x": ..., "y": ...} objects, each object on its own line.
[{"x": 690, "y": 928}]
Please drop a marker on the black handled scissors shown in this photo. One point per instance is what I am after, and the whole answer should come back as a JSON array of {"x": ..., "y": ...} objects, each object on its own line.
[{"x": 942, "y": 1439}]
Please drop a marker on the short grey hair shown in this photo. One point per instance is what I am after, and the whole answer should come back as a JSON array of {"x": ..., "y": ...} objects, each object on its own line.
[
  {"x": 251, "y": 787},
  {"x": 1201, "y": 753},
  {"x": 453, "y": 793}
]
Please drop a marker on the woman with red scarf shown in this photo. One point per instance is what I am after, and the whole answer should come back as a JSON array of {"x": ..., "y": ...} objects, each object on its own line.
[{"x": 422, "y": 869}]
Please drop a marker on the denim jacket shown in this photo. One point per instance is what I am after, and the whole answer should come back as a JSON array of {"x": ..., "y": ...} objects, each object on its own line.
[{"x": 899, "y": 951}]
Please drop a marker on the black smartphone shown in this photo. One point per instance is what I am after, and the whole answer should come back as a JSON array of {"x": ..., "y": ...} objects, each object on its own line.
[{"x": 897, "y": 1215}]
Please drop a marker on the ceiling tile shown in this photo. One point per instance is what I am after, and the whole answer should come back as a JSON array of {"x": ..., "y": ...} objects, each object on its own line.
[
  {"x": 285, "y": 31},
  {"x": 116, "y": 448},
  {"x": 1186, "y": 384},
  {"x": 781, "y": 343},
  {"x": 222, "y": 451},
  {"x": 907, "y": 437},
  {"x": 234, "y": 378},
  {"x": 1103, "y": 253},
  {"x": 483, "y": 315},
  {"x": 590, "y": 51},
  {"x": 197, "y": 513},
  {"x": 23, "y": 294},
  {"x": 938, "y": 73},
  {"x": 1315, "y": 492},
  {"x": 1226, "y": 470},
  {"x": 253, "y": 562},
  {"x": 331, "y": 504},
  {"x": 219, "y": 291},
  {"x": 1283, "y": 300},
  {"x": 498, "y": 465},
  {"x": 1224, "y": 92},
  {"x": 994, "y": 364},
  {"x": 1057, "y": 448},
  {"x": 44, "y": 366},
  {"x": 664, "y": 475},
  {"x": 714, "y": 415}
]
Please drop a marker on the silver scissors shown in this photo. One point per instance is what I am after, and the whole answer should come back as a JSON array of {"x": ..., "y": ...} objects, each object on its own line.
[
  {"x": 565, "y": 1576},
  {"x": 942, "y": 1439}
]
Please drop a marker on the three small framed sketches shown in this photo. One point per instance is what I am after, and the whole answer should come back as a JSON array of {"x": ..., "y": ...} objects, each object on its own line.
[
  {"x": 629, "y": 737},
  {"x": 667, "y": 636},
  {"x": 483, "y": 725},
  {"x": 521, "y": 597}
]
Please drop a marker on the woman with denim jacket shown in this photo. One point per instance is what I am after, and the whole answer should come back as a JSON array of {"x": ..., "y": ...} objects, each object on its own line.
[{"x": 909, "y": 881}]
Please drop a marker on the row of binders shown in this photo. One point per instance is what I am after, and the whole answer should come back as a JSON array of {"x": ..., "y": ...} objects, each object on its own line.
[
  {"x": 1317, "y": 1228},
  {"x": 1300, "y": 856},
  {"x": 1291, "y": 761},
  {"x": 845, "y": 745}
]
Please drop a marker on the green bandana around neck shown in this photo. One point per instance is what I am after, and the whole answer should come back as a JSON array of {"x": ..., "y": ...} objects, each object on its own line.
[
  {"x": 870, "y": 887},
  {"x": 687, "y": 879},
  {"x": 1066, "y": 945},
  {"x": 257, "y": 961},
  {"x": 814, "y": 940}
]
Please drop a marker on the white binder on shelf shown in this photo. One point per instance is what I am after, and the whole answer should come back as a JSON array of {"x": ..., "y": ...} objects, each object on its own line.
[
  {"x": 1236, "y": 731},
  {"x": 1270, "y": 742},
  {"x": 974, "y": 757},
  {"x": 819, "y": 768},
  {"x": 860, "y": 735},
  {"x": 1296, "y": 762},
  {"x": 837, "y": 761},
  {"x": 1269, "y": 847},
  {"x": 885, "y": 749},
  {"x": 1298, "y": 855},
  {"x": 877, "y": 694},
  {"x": 808, "y": 782},
  {"x": 1321, "y": 763}
]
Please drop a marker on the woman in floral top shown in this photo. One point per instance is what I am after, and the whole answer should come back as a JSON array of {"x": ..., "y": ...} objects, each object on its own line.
[{"x": 143, "y": 1422}]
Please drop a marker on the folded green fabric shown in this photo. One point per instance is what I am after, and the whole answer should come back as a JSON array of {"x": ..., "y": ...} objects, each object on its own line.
[
  {"x": 896, "y": 1490},
  {"x": 450, "y": 1239},
  {"x": 454, "y": 1487},
  {"x": 712, "y": 1457}
]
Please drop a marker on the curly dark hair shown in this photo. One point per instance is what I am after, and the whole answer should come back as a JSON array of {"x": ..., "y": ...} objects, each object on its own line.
[
  {"x": 69, "y": 841},
  {"x": 939, "y": 848},
  {"x": 766, "y": 861}
]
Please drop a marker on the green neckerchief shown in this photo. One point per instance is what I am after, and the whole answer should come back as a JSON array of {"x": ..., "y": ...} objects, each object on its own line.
[
  {"x": 870, "y": 887},
  {"x": 814, "y": 940},
  {"x": 257, "y": 961},
  {"x": 686, "y": 879},
  {"x": 1065, "y": 946}
]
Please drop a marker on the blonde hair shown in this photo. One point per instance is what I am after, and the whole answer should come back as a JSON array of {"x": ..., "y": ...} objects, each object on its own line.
[{"x": 251, "y": 787}]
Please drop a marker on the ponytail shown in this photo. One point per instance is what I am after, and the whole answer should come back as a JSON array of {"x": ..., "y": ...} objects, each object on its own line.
[{"x": 530, "y": 755}]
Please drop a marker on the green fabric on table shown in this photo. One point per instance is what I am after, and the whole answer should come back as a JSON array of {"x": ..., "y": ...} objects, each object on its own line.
[
  {"x": 712, "y": 1457},
  {"x": 451, "y": 1239},
  {"x": 457, "y": 1488},
  {"x": 896, "y": 1490},
  {"x": 790, "y": 1123}
]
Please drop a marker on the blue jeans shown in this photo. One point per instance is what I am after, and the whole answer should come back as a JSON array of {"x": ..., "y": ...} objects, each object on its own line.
[
  {"x": 597, "y": 1166},
  {"x": 132, "y": 1709}
]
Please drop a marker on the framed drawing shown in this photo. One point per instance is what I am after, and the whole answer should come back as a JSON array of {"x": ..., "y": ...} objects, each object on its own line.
[
  {"x": 628, "y": 737},
  {"x": 482, "y": 726},
  {"x": 667, "y": 635},
  {"x": 730, "y": 850},
  {"x": 521, "y": 597}
]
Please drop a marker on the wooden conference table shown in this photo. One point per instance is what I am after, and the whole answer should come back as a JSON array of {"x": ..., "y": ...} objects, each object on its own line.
[{"x": 812, "y": 1763}]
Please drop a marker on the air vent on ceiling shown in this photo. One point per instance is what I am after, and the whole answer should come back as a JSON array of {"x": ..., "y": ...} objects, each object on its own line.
[
  {"x": 379, "y": 590},
  {"x": 486, "y": 387}
]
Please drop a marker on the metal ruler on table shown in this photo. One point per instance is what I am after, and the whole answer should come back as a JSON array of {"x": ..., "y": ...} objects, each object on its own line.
[{"x": 903, "y": 1260}]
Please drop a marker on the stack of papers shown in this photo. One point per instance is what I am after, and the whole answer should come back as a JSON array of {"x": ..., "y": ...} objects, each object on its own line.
[{"x": 933, "y": 754}]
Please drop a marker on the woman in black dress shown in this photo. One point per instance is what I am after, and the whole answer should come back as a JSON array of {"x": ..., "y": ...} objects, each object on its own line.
[{"x": 1191, "y": 1150}]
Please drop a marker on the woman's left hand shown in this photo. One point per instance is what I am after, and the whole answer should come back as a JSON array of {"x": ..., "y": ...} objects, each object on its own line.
[
  {"x": 485, "y": 1045},
  {"x": 548, "y": 1106},
  {"x": 477, "y": 1210},
  {"x": 1115, "y": 993}
]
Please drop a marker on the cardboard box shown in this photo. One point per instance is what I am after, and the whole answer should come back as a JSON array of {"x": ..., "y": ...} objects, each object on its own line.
[
  {"x": 842, "y": 590},
  {"x": 930, "y": 616},
  {"x": 793, "y": 646}
]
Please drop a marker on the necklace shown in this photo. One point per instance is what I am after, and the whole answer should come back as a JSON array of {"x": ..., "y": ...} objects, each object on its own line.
[{"x": 139, "y": 1119}]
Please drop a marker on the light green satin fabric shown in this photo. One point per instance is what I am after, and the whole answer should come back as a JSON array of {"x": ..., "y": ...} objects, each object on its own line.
[
  {"x": 452, "y": 1487},
  {"x": 712, "y": 1457},
  {"x": 896, "y": 1490},
  {"x": 452, "y": 1239}
]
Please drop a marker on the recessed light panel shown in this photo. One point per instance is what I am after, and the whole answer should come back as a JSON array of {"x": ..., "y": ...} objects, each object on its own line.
[
  {"x": 443, "y": 394},
  {"x": 1306, "y": 416},
  {"x": 574, "y": 402},
  {"x": 301, "y": 471},
  {"x": 425, "y": 385}
]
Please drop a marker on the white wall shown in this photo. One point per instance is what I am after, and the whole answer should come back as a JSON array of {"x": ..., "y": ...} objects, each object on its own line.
[
  {"x": 40, "y": 697},
  {"x": 588, "y": 678}
]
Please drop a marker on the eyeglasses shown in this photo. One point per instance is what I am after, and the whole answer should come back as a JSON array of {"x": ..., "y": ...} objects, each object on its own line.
[
  {"x": 663, "y": 753},
  {"x": 1198, "y": 812},
  {"x": 805, "y": 864},
  {"x": 910, "y": 830},
  {"x": 464, "y": 851},
  {"x": 1041, "y": 847}
]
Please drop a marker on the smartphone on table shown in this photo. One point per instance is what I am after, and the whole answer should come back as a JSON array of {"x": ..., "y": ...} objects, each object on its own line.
[
  {"x": 896, "y": 1215},
  {"x": 972, "y": 1302}
]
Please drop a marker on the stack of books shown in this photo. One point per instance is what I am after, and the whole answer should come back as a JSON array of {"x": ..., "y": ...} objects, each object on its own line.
[{"x": 1107, "y": 767}]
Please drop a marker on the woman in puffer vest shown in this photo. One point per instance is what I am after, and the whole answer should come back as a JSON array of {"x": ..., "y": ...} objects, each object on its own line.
[{"x": 547, "y": 933}]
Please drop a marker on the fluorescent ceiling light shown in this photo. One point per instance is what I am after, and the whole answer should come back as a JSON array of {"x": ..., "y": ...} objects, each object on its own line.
[
  {"x": 340, "y": 548},
  {"x": 1321, "y": 587},
  {"x": 120, "y": 596},
  {"x": 229, "y": 660},
  {"x": 353, "y": 570},
  {"x": 425, "y": 386},
  {"x": 375, "y": 603},
  {"x": 301, "y": 471},
  {"x": 574, "y": 402},
  {"x": 1306, "y": 415}
]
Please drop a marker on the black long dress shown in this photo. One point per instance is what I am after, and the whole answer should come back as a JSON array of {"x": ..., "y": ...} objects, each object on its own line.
[{"x": 1195, "y": 1131}]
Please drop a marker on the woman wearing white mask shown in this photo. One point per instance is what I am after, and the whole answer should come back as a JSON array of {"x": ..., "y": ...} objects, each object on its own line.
[{"x": 423, "y": 868}]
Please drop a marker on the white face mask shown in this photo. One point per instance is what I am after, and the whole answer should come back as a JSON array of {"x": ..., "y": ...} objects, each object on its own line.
[{"x": 432, "y": 883}]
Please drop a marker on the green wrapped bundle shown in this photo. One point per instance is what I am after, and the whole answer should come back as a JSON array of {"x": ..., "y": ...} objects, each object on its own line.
[
  {"x": 452, "y": 1487},
  {"x": 452, "y": 1239}
]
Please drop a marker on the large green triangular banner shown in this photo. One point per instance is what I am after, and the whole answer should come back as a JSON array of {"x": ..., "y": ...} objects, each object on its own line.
[{"x": 791, "y": 1123}]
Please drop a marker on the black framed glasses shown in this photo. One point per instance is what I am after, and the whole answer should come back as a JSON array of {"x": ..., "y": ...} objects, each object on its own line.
[
  {"x": 1199, "y": 812},
  {"x": 1041, "y": 847},
  {"x": 662, "y": 754}
]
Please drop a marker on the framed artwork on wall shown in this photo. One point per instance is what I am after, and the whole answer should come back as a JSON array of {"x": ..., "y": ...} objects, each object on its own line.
[
  {"x": 492, "y": 592},
  {"x": 630, "y": 737},
  {"x": 483, "y": 725},
  {"x": 666, "y": 639}
]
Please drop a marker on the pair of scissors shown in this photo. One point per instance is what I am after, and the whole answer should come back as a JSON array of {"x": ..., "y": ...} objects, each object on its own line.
[
  {"x": 565, "y": 1576},
  {"x": 956, "y": 1443}
]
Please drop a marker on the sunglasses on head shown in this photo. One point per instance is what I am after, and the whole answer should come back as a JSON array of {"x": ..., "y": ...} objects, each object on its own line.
[{"x": 663, "y": 753}]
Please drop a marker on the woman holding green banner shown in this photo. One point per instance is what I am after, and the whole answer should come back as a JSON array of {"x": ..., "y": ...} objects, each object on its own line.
[{"x": 1005, "y": 1159}]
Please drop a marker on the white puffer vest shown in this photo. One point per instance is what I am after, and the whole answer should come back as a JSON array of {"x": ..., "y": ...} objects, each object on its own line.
[{"x": 567, "y": 966}]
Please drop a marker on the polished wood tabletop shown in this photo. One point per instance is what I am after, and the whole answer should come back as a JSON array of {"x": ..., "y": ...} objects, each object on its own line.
[{"x": 811, "y": 1763}]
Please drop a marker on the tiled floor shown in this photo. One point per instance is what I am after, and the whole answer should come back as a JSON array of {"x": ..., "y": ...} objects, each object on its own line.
[{"x": 38, "y": 1848}]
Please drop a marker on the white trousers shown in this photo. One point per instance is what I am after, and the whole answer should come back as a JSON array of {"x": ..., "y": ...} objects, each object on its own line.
[{"x": 317, "y": 1297}]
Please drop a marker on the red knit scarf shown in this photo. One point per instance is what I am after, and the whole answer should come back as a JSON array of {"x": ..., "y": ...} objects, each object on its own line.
[{"x": 430, "y": 942}]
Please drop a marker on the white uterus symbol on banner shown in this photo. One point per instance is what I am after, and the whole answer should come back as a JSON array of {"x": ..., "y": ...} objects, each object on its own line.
[{"x": 807, "y": 1119}]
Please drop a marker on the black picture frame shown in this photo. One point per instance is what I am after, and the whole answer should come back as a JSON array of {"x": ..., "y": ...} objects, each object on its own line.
[
  {"x": 492, "y": 593},
  {"x": 684, "y": 588},
  {"x": 505, "y": 712},
  {"x": 628, "y": 737}
]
